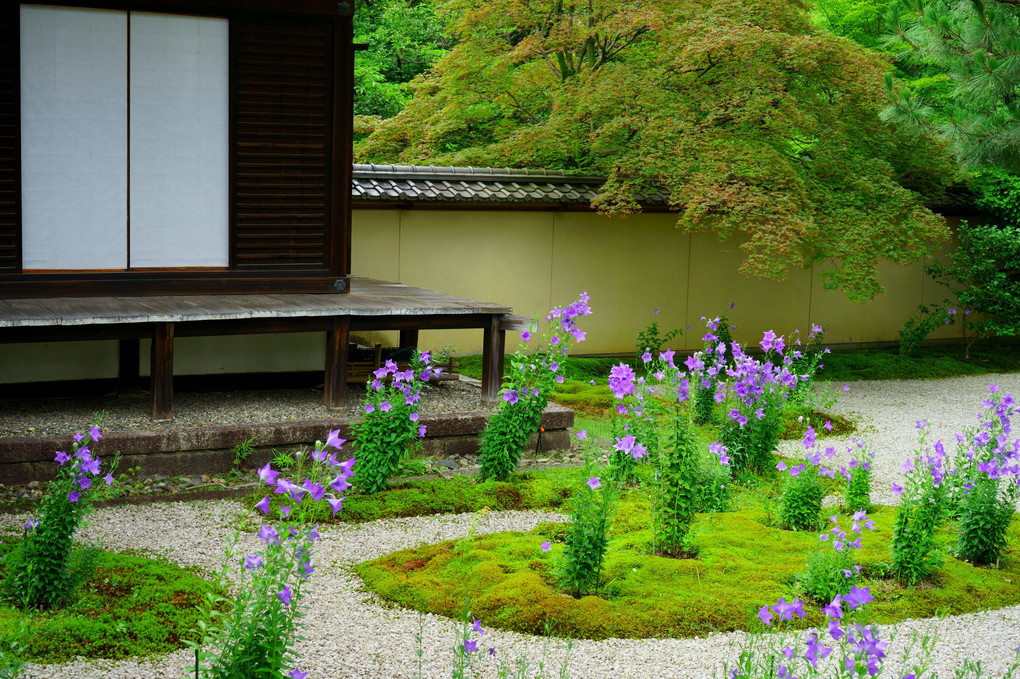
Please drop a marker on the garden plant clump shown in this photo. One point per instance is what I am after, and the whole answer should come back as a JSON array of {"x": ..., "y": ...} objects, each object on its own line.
[
  {"x": 390, "y": 431},
  {"x": 656, "y": 490},
  {"x": 45, "y": 570},
  {"x": 533, "y": 372},
  {"x": 257, "y": 636},
  {"x": 66, "y": 601}
]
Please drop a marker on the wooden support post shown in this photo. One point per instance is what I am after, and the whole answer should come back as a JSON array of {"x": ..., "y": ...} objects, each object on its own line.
[
  {"x": 493, "y": 348},
  {"x": 335, "y": 384},
  {"x": 161, "y": 372},
  {"x": 409, "y": 338},
  {"x": 127, "y": 369}
]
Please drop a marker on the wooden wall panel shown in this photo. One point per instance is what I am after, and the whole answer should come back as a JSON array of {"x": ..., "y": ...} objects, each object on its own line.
[
  {"x": 10, "y": 141},
  {"x": 281, "y": 95}
]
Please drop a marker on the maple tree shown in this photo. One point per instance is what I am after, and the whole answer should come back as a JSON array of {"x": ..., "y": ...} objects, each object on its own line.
[{"x": 755, "y": 120}]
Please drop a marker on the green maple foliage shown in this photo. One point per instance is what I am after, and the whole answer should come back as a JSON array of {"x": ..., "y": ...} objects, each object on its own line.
[{"x": 756, "y": 122}]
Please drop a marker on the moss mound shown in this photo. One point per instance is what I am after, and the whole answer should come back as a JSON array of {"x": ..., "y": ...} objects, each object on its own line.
[
  {"x": 744, "y": 563},
  {"x": 131, "y": 606}
]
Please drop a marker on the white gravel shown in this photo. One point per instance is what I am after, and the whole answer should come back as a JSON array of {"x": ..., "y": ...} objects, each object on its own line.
[{"x": 350, "y": 634}]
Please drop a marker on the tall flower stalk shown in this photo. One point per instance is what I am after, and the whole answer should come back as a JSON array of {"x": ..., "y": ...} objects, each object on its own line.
[
  {"x": 256, "y": 637},
  {"x": 922, "y": 510},
  {"x": 44, "y": 570},
  {"x": 390, "y": 429},
  {"x": 534, "y": 370}
]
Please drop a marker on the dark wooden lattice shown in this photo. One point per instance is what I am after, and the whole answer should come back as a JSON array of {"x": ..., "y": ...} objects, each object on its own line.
[
  {"x": 10, "y": 144},
  {"x": 282, "y": 97}
]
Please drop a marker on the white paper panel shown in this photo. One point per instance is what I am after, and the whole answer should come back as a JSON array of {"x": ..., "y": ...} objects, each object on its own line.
[
  {"x": 179, "y": 154},
  {"x": 74, "y": 138}
]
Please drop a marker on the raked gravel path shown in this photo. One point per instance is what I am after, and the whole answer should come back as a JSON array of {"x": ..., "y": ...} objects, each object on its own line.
[{"x": 351, "y": 635}]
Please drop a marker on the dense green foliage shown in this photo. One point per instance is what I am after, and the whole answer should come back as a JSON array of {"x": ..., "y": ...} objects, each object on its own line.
[
  {"x": 405, "y": 38},
  {"x": 985, "y": 516},
  {"x": 975, "y": 43},
  {"x": 801, "y": 503},
  {"x": 858, "y": 489},
  {"x": 914, "y": 553},
  {"x": 507, "y": 433},
  {"x": 984, "y": 275},
  {"x": 129, "y": 606},
  {"x": 755, "y": 120},
  {"x": 751, "y": 445}
]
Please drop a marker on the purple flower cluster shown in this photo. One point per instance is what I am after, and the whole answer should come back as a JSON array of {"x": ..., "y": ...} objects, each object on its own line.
[
  {"x": 84, "y": 465},
  {"x": 534, "y": 372},
  {"x": 841, "y": 539},
  {"x": 392, "y": 387},
  {"x": 567, "y": 318},
  {"x": 861, "y": 649},
  {"x": 309, "y": 487},
  {"x": 629, "y": 444},
  {"x": 928, "y": 468},
  {"x": 622, "y": 381}
]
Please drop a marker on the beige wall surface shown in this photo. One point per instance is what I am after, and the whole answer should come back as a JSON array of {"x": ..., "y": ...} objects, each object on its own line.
[{"x": 533, "y": 261}]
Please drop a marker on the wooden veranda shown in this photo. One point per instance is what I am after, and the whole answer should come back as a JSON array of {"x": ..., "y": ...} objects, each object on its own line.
[{"x": 370, "y": 305}]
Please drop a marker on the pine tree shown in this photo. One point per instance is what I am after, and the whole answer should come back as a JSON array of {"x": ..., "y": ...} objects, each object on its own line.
[{"x": 977, "y": 43}]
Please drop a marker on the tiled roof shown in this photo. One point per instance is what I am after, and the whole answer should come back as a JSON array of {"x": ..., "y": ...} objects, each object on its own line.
[
  {"x": 428, "y": 183},
  {"x": 476, "y": 185}
]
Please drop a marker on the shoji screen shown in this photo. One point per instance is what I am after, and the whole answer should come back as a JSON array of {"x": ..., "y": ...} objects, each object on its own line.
[
  {"x": 179, "y": 153},
  {"x": 124, "y": 139},
  {"x": 73, "y": 138}
]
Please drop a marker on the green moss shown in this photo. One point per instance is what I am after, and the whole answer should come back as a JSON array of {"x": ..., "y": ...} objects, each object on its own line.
[
  {"x": 840, "y": 366},
  {"x": 743, "y": 564},
  {"x": 930, "y": 363},
  {"x": 131, "y": 606},
  {"x": 548, "y": 489}
]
